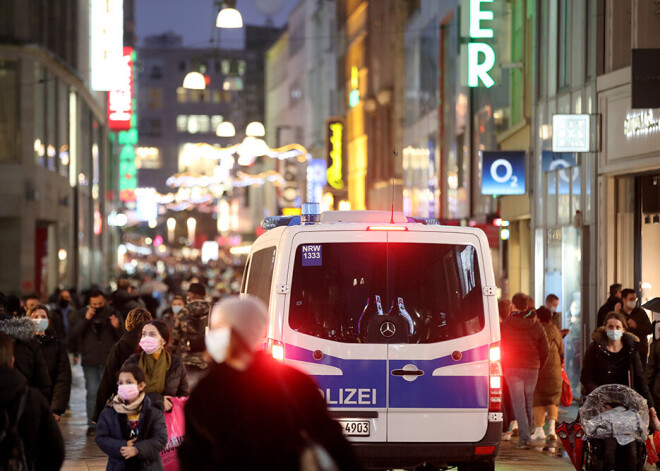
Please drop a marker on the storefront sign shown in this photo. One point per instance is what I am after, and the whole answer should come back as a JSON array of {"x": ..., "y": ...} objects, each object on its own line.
[
  {"x": 335, "y": 152},
  {"x": 120, "y": 99},
  {"x": 480, "y": 55},
  {"x": 127, "y": 141},
  {"x": 106, "y": 43},
  {"x": 571, "y": 133},
  {"x": 503, "y": 173},
  {"x": 640, "y": 123},
  {"x": 645, "y": 78}
]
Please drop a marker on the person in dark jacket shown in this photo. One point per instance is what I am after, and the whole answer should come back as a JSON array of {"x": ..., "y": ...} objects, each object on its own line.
[
  {"x": 57, "y": 360},
  {"x": 639, "y": 323},
  {"x": 131, "y": 431},
  {"x": 94, "y": 333},
  {"x": 652, "y": 370},
  {"x": 63, "y": 315},
  {"x": 42, "y": 440},
  {"x": 126, "y": 298},
  {"x": 124, "y": 348},
  {"x": 176, "y": 306},
  {"x": 268, "y": 404},
  {"x": 613, "y": 358},
  {"x": 524, "y": 352},
  {"x": 166, "y": 375},
  {"x": 613, "y": 303},
  {"x": 548, "y": 386},
  {"x": 29, "y": 358}
]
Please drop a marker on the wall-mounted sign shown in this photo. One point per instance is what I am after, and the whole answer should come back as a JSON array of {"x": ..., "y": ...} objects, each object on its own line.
[
  {"x": 120, "y": 99},
  {"x": 106, "y": 43},
  {"x": 354, "y": 94},
  {"x": 478, "y": 55},
  {"x": 503, "y": 173},
  {"x": 127, "y": 141},
  {"x": 572, "y": 132},
  {"x": 335, "y": 152},
  {"x": 645, "y": 78},
  {"x": 641, "y": 123}
]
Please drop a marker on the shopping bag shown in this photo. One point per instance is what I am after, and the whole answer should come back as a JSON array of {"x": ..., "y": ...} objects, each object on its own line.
[
  {"x": 176, "y": 429},
  {"x": 656, "y": 440},
  {"x": 566, "y": 392},
  {"x": 652, "y": 456}
]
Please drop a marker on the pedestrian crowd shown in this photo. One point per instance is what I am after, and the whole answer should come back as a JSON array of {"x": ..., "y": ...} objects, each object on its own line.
[
  {"x": 533, "y": 360},
  {"x": 141, "y": 365}
]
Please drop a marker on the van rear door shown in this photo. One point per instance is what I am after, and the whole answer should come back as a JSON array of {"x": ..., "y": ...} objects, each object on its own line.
[
  {"x": 331, "y": 276},
  {"x": 438, "y": 379}
]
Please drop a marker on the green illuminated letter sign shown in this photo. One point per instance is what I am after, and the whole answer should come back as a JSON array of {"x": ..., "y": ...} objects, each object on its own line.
[{"x": 481, "y": 56}]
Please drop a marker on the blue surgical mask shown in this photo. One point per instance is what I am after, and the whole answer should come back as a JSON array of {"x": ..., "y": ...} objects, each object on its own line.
[
  {"x": 614, "y": 334},
  {"x": 40, "y": 324},
  {"x": 176, "y": 309}
]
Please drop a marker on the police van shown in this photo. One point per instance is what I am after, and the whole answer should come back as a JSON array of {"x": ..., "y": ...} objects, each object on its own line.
[{"x": 396, "y": 319}]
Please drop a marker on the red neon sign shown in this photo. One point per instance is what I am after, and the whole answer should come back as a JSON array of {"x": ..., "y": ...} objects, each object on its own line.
[{"x": 120, "y": 100}]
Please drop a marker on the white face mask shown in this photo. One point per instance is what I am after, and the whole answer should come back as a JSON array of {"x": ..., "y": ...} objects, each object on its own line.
[
  {"x": 631, "y": 304},
  {"x": 217, "y": 343},
  {"x": 552, "y": 309}
]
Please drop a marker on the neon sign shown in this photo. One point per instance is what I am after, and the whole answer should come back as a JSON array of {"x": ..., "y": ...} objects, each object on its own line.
[
  {"x": 480, "y": 55},
  {"x": 106, "y": 42},
  {"x": 335, "y": 153},
  {"x": 120, "y": 99}
]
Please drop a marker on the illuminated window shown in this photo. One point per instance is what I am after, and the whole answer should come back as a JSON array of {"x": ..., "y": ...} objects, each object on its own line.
[
  {"x": 217, "y": 96},
  {"x": 195, "y": 96},
  {"x": 198, "y": 124},
  {"x": 215, "y": 121},
  {"x": 181, "y": 95},
  {"x": 155, "y": 98},
  {"x": 182, "y": 123},
  {"x": 148, "y": 157}
]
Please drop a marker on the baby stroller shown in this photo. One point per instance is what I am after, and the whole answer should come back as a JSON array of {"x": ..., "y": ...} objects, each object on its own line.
[{"x": 615, "y": 420}]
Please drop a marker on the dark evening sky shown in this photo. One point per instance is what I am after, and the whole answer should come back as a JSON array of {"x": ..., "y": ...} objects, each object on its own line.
[{"x": 195, "y": 19}]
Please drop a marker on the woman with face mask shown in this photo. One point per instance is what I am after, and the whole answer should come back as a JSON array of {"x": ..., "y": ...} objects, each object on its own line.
[
  {"x": 612, "y": 358},
  {"x": 57, "y": 360},
  {"x": 165, "y": 373},
  {"x": 169, "y": 314},
  {"x": 124, "y": 348}
]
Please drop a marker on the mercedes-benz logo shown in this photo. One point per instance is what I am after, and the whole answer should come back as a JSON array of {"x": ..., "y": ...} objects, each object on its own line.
[{"x": 387, "y": 329}]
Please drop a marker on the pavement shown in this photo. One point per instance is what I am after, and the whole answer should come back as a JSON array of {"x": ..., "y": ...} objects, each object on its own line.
[{"x": 82, "y": 454}]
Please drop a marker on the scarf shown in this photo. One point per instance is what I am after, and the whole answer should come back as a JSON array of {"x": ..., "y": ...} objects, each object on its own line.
[
  {"x": 155, "y": 370},
  {"x": 122, "y": 407}
]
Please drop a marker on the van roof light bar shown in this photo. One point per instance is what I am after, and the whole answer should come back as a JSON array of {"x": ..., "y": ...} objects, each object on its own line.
[
  {"x": 278, "y": 221},
  {"x": 425, "y": 221}
]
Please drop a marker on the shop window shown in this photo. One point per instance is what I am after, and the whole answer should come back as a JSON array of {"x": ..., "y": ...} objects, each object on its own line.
[{"x": 9, "y": 117}]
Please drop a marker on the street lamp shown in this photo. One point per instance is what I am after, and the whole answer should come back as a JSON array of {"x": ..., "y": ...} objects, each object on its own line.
[
  {"x": 192, "y": 224},
  {"x": 229, "y": 17},
  {"x": 171, "y": 225},
  {"x": 194, "y": 81},
  {"x": 255, "y": 129},
  {"x": 225, "y": 129}
]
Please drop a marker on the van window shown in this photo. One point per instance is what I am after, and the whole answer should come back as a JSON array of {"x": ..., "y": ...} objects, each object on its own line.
[
  {"x": 434, "y": 288},
  {"x": 260, "y": 274}
]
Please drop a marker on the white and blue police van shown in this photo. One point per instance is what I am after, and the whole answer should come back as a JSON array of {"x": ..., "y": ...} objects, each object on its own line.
[{"x": 396, "y": 319}]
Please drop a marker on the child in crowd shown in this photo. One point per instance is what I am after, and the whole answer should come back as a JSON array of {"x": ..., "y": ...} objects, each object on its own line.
[{"x": 130, "y": 430}]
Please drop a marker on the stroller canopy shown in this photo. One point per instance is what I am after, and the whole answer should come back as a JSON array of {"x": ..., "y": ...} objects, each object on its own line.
[{"x": 614, "y": 410}]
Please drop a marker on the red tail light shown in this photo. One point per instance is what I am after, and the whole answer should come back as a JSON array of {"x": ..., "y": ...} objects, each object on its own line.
[
  {"x": 494, "y": 379},
  {"x": 387, "y": 228},
  {"x": 276, "y": 349}
]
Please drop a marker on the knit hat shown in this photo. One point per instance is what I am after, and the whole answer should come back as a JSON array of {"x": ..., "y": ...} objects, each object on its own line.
[
  {"x": 247, "y": 316},
  {"x": 197, "y": 288}
]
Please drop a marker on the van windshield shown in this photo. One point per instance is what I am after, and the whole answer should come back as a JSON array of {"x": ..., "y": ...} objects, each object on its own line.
[{"x": 346, "y": 291}]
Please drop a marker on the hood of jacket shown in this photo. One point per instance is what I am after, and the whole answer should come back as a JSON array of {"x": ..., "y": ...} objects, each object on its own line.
[
  {"x": 122, "y": 296},
  {"x": 13, "y": 383},
  {"x": 20, "y": 328},
  {"x": 518, "y": 321},
  {"x": 131, "y": 338},
  {"x": 600, "y": 336}
]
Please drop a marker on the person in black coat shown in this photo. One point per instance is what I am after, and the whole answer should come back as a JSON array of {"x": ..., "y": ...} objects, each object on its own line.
[
  {"x": 124, "y": 348},
  {"x": 29, "y": 358},
  {"x": 57, "y": 360},
  {"x": 269, "y": 405},
  {"x": 131, "y": 431},
  {"x": 126, "y": 298},
  {"x": 165, "y": 372},
  {"x": 44, "y": 447},
  {"x": 96, "y": 330},
  {"x": 63, "y": 315},
  {"x": 613, "y": 303}
]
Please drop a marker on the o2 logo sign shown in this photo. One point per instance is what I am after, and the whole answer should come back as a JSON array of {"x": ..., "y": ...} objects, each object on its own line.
[{"x": 503, "y": 173}]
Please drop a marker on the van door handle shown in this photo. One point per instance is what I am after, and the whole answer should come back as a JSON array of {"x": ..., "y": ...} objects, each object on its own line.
[{"x": 407, "y": 373}]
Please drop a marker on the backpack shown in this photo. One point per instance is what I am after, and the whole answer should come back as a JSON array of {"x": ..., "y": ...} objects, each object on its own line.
[
  {"x": 197, "y": 333},
  {"x": 12, "y": 450}
]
